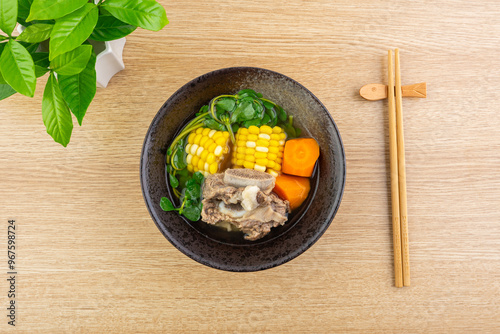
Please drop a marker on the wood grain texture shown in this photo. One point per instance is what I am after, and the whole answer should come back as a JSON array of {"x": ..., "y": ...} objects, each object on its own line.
[{"x": 92, "y": 261}]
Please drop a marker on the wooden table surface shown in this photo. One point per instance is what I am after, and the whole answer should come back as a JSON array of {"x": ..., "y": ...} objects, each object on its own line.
[{"x": 91, "y": 260}]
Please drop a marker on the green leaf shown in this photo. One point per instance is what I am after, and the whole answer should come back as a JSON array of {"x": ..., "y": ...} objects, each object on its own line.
[
  {"x": 243, "y": 112},
  {"x": 40, "y": 71},
  {"x": 55, "y": 112},
  {"x": 36, "y": 33},
  {"x": 226, "y": 103},
  {"x": 3, "y": 38},
  {"x": 192, "y": 212},
  {"x": 198, "y": 177},
  {"x": 72, "y": 30},
  {"x": 8, "y": 15},
  {"x": 109, "y": 28},
  {"x": 42, "y": 63},
  {"x": 213, "y": 124},
  {"x": 79, "y": 89},
  {"x": 72, "y": 62},
  {"x": 166, "y": 204},
  {"x": 6, "y": 91},
  {"x": 147, "y": 14},
  {"x": 53, "y": 9},
  {"x": 23, "y": 11},
  {"x": 173, "y": 181},
  {"x": 18, "y": 69}
]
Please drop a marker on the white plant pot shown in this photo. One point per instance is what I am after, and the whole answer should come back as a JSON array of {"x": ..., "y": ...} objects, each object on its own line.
[{"x": 109, "y": 60}]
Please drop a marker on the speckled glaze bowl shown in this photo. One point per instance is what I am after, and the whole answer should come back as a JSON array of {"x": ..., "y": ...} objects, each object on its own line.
[{"x": 210, "y": 245}]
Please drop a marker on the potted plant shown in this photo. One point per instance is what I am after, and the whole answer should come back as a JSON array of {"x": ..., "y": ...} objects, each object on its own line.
[{"x": 68, "y": 29}]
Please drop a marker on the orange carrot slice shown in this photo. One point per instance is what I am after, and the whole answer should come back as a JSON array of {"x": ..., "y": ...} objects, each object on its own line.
[
  {"x": 292, "y": 188},
  {"x": 299, "y": 156}
]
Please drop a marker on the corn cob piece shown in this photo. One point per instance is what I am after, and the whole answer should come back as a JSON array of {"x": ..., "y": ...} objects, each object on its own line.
[
  {"x": 259, "y": 148},
  {"x": 206, "y": 149}
]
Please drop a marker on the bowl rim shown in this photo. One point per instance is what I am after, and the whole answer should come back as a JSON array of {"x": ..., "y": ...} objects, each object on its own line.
[{"x": 178, "y": 245}]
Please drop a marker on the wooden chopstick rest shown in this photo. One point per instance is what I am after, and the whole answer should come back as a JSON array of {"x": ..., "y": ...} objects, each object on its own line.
[{"x": 374, "y": 92}]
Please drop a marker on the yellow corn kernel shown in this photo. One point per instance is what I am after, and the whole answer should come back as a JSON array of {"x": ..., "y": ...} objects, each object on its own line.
[
  {"x": 261, "y": 142},
  {"x": 275, "y": 136},
  {"x": 277, "y": 167},
  {"x": 225, "y": 134},
  {"x": 201, "y": 165},
  {"x": 204, "y": 140},
  {"x": 262, "y": 162},
  {"x": 189, "y": 158},
  {"x": 260, "y": 155},
  {"x": 199, "y": 150},
  {"x": 241, "y": 149},
  {"x": 248, "y": 164},
  {"x": 272, "y": 172},
  {"x": 190, "y": 168},
  {"x": 188, "y": 148},
  {"x": 259, "y": 168},
  {"x": 251, "y": 144},
  {"x": 272, "y": 156},
  {"x": 240, "y": 162},
  {"x": 249, "y": 150},
  {"x": 252, "y": 137},
  {"x": 273, "y": 149},
  {"x": 212, "y": 147},
  {"x": 282, "y": 142},
  {"x": 214, "y": 168},
  {"x": 283, "y": 136},
  {"x": 204, "y": 155},
  {"x": 197, "y": 138},
  {"x": 241, "y": 138},
  {"x": 218, "y": 151},
  {"x": 253, "y": 129},
  {"x": 262, "y": 149},
  {"x": 276, "y": 129},
  {"x": 266, "y": 129},
  {"x": 274, "y": 143},
  {"x": 240, "y": 156},
  {"x": 264, "y": 136},
  {"x": 194, "y": 160},
  {"x": 270, "y": 164},
  {"x": 279, "y": 155},
  {"x": 211, "y": 133},
  {"x": 193, "y": 149},
  {"x": 205, "y": 132},
  {"x": 206, "y": 166},
  {"x": 210, "y": 158},
  {"x": 241, "y": 143},
  {"x": 279, "y": 161},
  {"x": 225, "y": 149},
  {"x": 218, "y": 134},
  {"x": 191, "y": 138},
  {"x": 199, "y": 131},
  {"x": 243, "y": 131},
  {"x": 221, "y": 141},
  {"x": 250, "y": 158},
  {"x": 281, "y": 148}
]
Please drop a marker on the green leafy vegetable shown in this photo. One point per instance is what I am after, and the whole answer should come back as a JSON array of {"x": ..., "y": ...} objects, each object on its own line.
[
  {"x": 166, "y": 204},
  {"x": 53, "y": 9},
  {"x": 173, "y": 181},
  {"x": 36, "y": 33},
  {"x": 72, "y": 62},
  {"x": 23, "y": 11},
  {"x": 79, "y": 89},
  {"x": 17, "y": 68},
  {"x": 72, "y": 30},
  {"x": 190, "y": 198},
  {"x": 55, "y": 112},
  {"x": 147, "y": 14},
  {"x": 8, "y": 15}
]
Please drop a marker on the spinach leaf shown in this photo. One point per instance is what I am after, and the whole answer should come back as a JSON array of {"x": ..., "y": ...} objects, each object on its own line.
[
  {"x": 173, "y": 181},
  {"x": 213, "y": 124},
  {"x": 226, "y": 103},
  {"x": 198, "y": 177},
  {"x": 192, "y": 211}
]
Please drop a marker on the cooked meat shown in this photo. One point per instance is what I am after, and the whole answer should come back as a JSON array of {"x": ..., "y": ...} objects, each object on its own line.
[
  {"x": 248, "y": 207},
  {"x": 249, "y": 177}
]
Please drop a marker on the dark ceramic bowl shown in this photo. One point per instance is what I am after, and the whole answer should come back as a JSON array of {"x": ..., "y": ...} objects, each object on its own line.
[{"x": 210, "y": 245}]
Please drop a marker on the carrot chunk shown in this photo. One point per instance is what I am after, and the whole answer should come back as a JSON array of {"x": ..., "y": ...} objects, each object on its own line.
[
  {"x": 299, "y": 156},
  {"x": 292, "y": 188}
]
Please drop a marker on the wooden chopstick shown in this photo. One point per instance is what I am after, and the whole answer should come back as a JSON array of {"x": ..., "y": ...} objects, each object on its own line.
[
  {"x": 403, "y": 210},
  {"x": 393, "y": 150}
]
